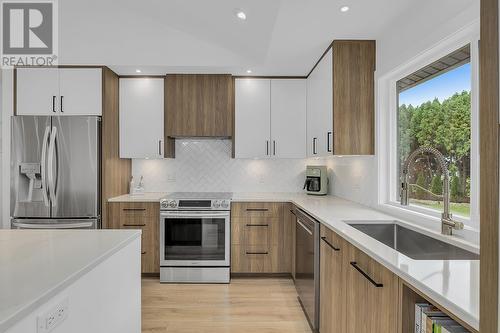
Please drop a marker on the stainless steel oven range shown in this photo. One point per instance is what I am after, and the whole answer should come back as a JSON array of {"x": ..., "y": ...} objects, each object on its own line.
[{"x": 194, "y": 238}]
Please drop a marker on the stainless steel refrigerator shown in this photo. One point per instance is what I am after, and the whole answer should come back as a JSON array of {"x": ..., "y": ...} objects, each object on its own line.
[{"x": 55, "y": 172}]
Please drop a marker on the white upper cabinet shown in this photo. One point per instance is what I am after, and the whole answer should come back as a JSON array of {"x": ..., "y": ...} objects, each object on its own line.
[
  {"x": 320, "y": 108},
  {"x": 252, "y": 118},
  {"x": 37, "y": 91},
  {"x": 270, "y": 118},
  {"x": 288, "y": 118},
  {"x": 80, "y": 91},
  {"x": 59, "y": 91},
  {"x": 141, "y": 117}
]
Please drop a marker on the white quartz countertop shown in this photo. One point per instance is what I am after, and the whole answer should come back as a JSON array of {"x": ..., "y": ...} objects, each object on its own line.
[
  {"x": 454, "y": 284},
  {"x": 143, "y": 197},
  {"x": 37, "y": 264}
]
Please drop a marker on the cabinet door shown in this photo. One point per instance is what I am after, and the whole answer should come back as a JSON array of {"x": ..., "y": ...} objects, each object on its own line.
[
  {"x": 141, "y": 117},
  {"x": 288, "y": 118},
  {"x": 37, "y": 91},
  {"x": 332, "y": 282},
  {"x": 252, "y": 118},
  {"x": 320, "y": 108},
  {"x": 371, "y": 295},
  {"x": 80, "y": 91},
  {"x": 354, "y": 97}
]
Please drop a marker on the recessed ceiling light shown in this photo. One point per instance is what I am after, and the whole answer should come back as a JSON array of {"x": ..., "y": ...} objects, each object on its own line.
[
  {"x": 344, "y": 9},
  {"x": 137, "y": 70},
  {"x": 249, "y": 71},
  {"x": 241, "y": 15}
]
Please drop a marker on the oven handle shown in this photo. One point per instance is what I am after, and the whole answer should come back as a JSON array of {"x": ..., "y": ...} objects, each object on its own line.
[{"x": 194, "y": 214}]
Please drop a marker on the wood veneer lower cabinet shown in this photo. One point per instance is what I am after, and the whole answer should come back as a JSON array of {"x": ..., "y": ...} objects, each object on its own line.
[
  {"x": 332, "y": 282},
  {"x": 371, "y": 302},
  {"x": 260, "y": 238},
  {"x": 144, "y": 216}
]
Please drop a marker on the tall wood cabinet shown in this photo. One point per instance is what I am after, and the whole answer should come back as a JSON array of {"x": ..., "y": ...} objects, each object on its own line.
[
  {"x": 199, "y": 105},
  {"x": 353, "y": 97}
]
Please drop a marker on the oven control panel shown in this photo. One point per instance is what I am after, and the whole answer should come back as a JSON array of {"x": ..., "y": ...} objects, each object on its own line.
[{"x": 192, "y": 204}]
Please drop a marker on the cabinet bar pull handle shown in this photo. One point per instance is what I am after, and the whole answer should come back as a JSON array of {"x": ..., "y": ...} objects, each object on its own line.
[
  {"x": 355, "y": 265},
  {"x": 53, "y": 103},
  {"x": 314, "y": 146},
  {"x": 143, "y": 252},
  {"x": 134, "y": 225},
  {"x": 257, "y": 225},
  {"x": 257, "y": 209},
  {"x": 291, "y": 211},
  {"x": 159, "y": 147},
  {"x": 330, "y": 244},
  {"x": 62, "y": 103},
  {"x": 274, "y": 147},
  {"x": 267, "y": 147},
  {"x": 134, "y": 209},
  {"x": 328, "y": 145},
  {"x": 257, "y": 252}
]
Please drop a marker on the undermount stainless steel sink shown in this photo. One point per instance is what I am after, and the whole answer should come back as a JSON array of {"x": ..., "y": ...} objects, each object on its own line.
[{"x": 413, "y": 244}]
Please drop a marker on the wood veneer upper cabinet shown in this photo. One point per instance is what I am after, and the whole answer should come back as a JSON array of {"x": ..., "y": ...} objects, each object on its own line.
[
  {"x": 371, "y": 301},
  {"x": 353, "y": 97},
  {"x": 199, "y": 105}
]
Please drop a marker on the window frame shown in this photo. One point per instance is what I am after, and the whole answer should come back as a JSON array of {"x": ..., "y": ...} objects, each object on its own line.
[{"x": 387, "y": 139}]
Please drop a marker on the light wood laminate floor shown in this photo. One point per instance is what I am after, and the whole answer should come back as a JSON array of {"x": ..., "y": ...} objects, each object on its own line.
[{"x": 263, "y": 305}]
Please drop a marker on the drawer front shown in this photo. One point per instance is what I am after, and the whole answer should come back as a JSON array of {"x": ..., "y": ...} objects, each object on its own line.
[
  {"x": 136, "y": 212},
  {"x": 257, "y": 209},
  {"x": 251, "y": 259},
  {"x": 255, "y": 231}
]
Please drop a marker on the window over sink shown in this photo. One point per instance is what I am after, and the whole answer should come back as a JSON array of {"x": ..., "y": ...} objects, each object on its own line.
[
  {"x": 434, "y": 110},
  {"x": 432, "y": 101}
]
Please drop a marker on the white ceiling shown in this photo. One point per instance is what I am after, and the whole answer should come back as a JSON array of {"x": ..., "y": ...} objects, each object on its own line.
[{"x": 162, "y": 36}]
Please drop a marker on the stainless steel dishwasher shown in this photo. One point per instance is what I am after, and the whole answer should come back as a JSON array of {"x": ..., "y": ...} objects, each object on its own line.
[{"x": 307, "y": 266}]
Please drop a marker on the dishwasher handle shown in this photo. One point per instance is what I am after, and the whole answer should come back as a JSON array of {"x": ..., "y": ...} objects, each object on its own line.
[{"x": 304, "y": 227}]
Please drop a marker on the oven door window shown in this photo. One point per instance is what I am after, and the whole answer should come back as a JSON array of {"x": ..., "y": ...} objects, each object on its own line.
[{"x": 194, "y": 239}]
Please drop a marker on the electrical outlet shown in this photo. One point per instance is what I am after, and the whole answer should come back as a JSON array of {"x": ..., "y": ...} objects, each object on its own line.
[{"x": 47, "y": 321}]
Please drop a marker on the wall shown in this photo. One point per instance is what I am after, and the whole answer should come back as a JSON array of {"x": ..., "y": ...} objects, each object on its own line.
[
  {"x": 415, "y": 33},
  {"x": 206, "y": 165}
]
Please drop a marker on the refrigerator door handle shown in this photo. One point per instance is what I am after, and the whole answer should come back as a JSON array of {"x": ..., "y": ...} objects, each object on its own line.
[
  {"x": 50, "y": 166},
  {"x": 43, "y": 165}
]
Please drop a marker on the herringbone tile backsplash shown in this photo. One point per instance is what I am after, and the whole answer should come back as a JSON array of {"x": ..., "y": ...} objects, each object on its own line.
[{"x": 206, "y": 165}]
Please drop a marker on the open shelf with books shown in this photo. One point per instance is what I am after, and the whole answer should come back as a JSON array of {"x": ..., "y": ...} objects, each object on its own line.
[{"x": 420, "y": 314}]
